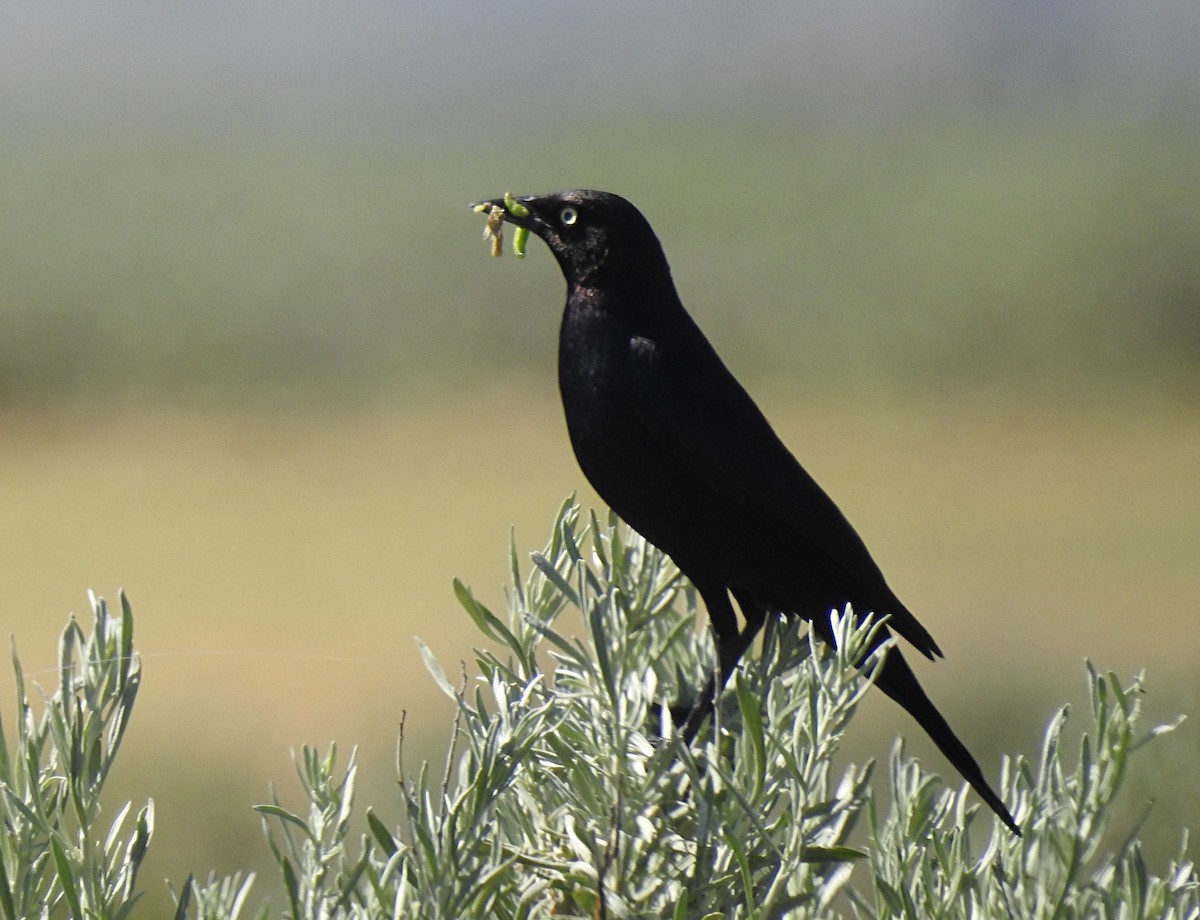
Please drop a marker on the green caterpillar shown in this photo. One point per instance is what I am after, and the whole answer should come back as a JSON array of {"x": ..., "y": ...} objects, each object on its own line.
[
  {"x": 521, "y": 234},
  {"x": 515, "y": 208}
]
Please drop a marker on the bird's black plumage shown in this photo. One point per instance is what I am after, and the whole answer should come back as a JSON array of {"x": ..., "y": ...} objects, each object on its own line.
[{"x": 670, "y": 439}]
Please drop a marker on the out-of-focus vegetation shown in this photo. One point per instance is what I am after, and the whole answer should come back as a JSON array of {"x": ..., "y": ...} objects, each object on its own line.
[{"x": 186, "y": 263}]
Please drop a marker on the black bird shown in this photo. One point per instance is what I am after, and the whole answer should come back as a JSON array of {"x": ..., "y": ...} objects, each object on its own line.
[{"x": 674, "y": 444}]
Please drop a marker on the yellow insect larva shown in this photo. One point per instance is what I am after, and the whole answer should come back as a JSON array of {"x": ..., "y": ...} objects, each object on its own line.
[{"x": 494, "y": 229}]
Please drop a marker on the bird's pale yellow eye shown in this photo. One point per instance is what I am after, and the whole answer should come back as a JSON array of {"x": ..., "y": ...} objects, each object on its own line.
[{"x": 568, "y": 216}]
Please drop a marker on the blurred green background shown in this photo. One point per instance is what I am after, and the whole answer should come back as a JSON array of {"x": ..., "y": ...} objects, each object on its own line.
[{"x": 257, "y": 368}]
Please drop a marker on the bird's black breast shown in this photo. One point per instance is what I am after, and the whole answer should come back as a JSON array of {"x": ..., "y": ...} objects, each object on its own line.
[
  {"x": 622, "y": 456},
  {"x": 611, "y": 442}
]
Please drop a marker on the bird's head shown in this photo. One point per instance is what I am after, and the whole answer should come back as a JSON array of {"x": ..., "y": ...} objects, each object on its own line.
[{"x": 597, "y": 237}]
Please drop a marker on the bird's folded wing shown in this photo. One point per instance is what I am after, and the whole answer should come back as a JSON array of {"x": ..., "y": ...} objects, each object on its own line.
[{"x": 704, "y": 416}]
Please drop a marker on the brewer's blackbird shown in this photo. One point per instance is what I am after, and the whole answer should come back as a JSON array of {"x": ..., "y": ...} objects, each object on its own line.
[{"x": 673, "y": 443}]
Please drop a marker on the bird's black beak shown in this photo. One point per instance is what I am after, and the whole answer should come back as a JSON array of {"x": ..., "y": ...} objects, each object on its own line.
[{"x": 516, "y": 210}]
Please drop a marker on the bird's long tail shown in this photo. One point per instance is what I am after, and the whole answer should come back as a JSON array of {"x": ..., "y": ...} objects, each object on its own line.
[{"x": 897, "y": 680}]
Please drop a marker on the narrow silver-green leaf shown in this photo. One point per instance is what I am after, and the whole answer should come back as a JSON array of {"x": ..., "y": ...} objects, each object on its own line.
[{"x": 435, "y": 670}]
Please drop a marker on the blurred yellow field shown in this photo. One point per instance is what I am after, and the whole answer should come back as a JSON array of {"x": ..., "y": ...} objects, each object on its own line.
[{"x": 280, "y": 562}]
